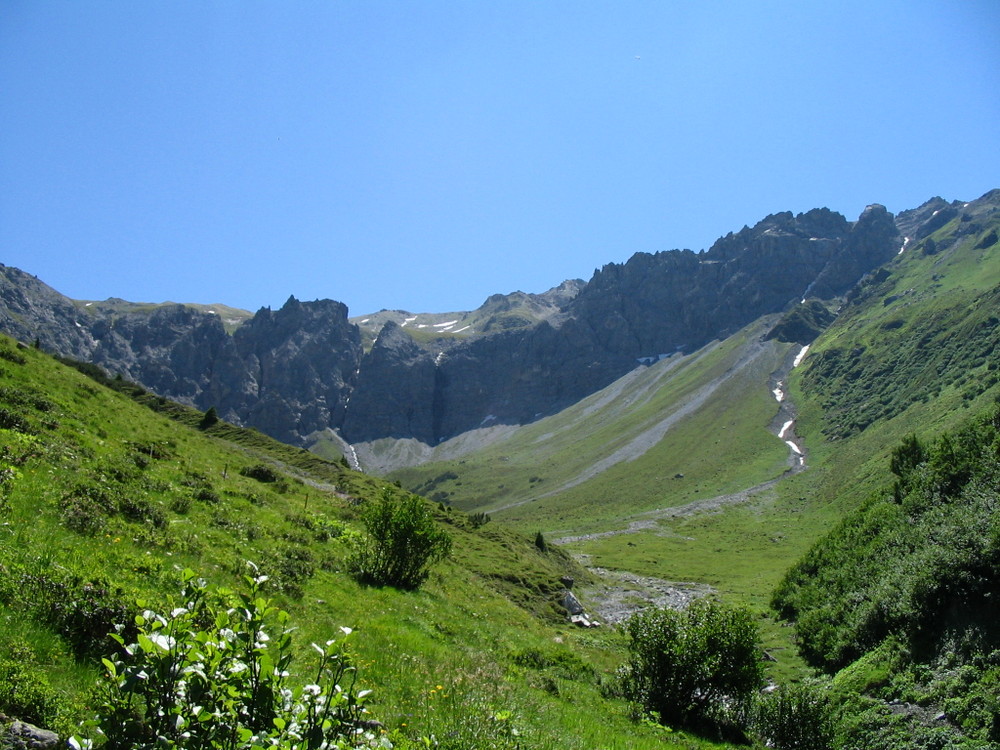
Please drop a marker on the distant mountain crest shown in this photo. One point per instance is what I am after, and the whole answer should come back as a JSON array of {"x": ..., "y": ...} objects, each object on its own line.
[{"x": 306, "y": 369}]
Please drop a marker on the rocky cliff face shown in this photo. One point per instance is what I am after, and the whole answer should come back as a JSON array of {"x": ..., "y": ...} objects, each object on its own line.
[
  {"x": 301, "y": 369},
  {"x": 301, "y": 364}
]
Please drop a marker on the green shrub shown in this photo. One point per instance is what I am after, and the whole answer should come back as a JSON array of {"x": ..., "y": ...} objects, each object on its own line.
[
  {"x": 25, "y": 691},
  {"x": 402, "y": 543},
  {"x": 213, "y": 674},
  {"x": 795, "y": 717},
  {"x": 81, "y": 610},
  {"x": 210, "y": 418},
  {"x": 260, "y": 472},
  {"x": 694, "y": 667}
]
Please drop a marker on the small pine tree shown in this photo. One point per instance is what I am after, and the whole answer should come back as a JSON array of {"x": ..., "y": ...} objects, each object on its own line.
[
  {"x": 540, "y": 542},
  {"x": 211, "y": 417}
]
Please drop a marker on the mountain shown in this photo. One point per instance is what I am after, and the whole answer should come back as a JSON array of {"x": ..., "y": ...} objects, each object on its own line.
[
  {"x": 737, "y": 465},
  {"x": 516, "y": 358}
]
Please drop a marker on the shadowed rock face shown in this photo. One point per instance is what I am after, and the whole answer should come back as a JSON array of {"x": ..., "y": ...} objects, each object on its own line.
[
  {"x": 301, "y": 369},
  {"x": 394, "y": 396}
]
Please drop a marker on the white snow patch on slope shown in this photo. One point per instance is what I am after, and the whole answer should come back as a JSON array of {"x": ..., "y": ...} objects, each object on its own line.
[
  {"x": 785, "y": 428},
  {"x": 779, "y": 395},
  {"x": 794, "y": 447},
  {"x": 463, "y": 328},
  {"x": 407, "y": 321},
  {"x": 800, "y": 356},
  {"x": 449, "y": 324}
]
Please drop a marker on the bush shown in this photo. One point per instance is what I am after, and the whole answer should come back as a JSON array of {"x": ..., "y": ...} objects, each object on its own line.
[
  {"x": 25, "y": 691},
  {"x": 211, "y": 417},
  {"x": 260, "y": 472},
  {"x": 695, "y": 666},
  {"x": 213, "y": 675},
  {"x": 795, "y": 717},
  {"x": 402, "y": 543}
]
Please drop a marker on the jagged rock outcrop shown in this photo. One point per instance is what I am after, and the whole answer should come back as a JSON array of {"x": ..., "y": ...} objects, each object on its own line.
[
  {"x": 301, "y": 364},
  {"x": 657, "y": 304},
  {"x": 395, "y": 392},
  {"x": 802, "y": 324},
  {"x": 30, "y": 310},
  {"x": 301, "y": 369},
  {"x": 288, "y": 372}
]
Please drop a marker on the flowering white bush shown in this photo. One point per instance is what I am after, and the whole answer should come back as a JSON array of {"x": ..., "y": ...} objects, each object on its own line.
[{"x": 211, "y": 677}]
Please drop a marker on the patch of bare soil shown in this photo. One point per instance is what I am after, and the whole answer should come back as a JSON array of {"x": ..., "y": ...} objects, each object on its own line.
[{"x": 620, "y": 594}]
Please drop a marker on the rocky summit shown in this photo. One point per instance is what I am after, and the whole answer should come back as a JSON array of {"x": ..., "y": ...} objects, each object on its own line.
[{"x": 306, "y": 369}]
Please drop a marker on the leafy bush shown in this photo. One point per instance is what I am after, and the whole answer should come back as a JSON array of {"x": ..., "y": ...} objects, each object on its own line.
[
  {"x": 25, "y": 691},
  {"x": 81, "y": 610},
  {"x": 214, "y": 675},
  {"x": 795, "y": 717},
  {"x": 695, "y": 666},
  {"x": 911, "y": 563},
  {"x": 260, "y": 472},
  {"x": 403, "y": 542}
]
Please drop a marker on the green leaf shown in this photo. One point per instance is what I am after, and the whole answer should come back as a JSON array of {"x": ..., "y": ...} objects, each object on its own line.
[{"x": 110, "y": 666}]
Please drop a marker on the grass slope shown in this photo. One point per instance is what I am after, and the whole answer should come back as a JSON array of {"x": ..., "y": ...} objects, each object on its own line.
[
  {"x": 107, "y": 491},
  {"x": 912, "y": 350}
]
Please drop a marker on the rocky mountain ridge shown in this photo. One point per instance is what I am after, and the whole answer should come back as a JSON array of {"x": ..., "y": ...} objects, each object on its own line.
[{"x": 305, "y": 369}]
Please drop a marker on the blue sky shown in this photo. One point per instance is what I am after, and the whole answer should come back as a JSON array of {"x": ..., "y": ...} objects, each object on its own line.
[{"x": 424, "y": 155}]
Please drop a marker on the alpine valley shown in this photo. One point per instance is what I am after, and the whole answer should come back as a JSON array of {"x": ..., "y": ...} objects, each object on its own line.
[{"x": 802, "y": 420}]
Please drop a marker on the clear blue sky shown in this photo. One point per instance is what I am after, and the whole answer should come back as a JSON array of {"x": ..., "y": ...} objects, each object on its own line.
[{"x": 423, "y": 155}]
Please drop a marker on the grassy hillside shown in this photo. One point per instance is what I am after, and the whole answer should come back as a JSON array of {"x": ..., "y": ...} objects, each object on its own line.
[
  {"x": 913, "y": 351},
  {"x": 898, "y": 601},
  {"x": 108, "y": 491},
  {"x": 667, "y": 473}
]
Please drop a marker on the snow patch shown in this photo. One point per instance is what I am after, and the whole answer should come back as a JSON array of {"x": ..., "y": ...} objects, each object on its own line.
[
  {"x": 449, "y": 324},
  {"x": 88, "y": 304},
  {"x": 906, "y": 241},
  {"x": 211, "y": 312},
  {"x": 463, "y": 328},
  {"x": 407, "y": 321},
  {"x": 785, "y": 428},
  {"x": 779, "y": 395},
  {"x": 366, "y": 320},
  {"x": 794, "y": 447},
  {"x": 352, "y": 459},
  {"x": 438, "y": 358},
  {"x": 422, "y": 325},
  {"x": 800, "y": 356}
]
